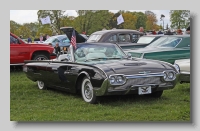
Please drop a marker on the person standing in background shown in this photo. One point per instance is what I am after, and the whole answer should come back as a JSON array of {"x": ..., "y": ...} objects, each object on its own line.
[
  {"x": 160, "y": 32},
  {"x": 154, "y": 32},
  {"x": 142, "y": 30},
  {"x": 29, "y": 39},
  {"x": 44, "y": 37},
  {"x": 47, "y": 37},
  {"x": 188, "y": 30},
  {"x": 179, "y": 32},
  {"x": 57, "y": 49},
  {"x": 41, "y": 38}
]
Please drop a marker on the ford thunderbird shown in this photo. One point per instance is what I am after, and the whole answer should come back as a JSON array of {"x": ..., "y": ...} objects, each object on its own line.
[{"x": 100, "y": 69}]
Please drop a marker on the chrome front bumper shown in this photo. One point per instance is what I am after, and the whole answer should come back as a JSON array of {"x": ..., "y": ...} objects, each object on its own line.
[
  {"x": 184, "y": 77},
  {"x": 134, "y": 82}
]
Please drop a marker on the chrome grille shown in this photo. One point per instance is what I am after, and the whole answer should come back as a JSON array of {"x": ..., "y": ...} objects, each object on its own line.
[
  {"x": 144, "y": 81},
  {"x": 139, "y": 82}
]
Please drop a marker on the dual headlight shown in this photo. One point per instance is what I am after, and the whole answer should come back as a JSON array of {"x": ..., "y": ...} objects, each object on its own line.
[
  {"x": 117, "y": 79},
  {"x": 169, "y": 75}
]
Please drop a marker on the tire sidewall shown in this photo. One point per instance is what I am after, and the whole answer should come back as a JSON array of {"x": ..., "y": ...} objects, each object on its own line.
[
  {"x": 93, "y": 99},
  {"x": 40, "y": 86}
]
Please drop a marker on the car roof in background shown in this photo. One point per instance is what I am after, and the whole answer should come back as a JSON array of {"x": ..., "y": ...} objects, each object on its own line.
[
  {"x": 116, "y": 30},
  {"x": 59, "y": 36}
]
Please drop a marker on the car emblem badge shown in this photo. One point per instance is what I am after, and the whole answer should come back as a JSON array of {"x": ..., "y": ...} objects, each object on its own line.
[{"x": 145, "y": 72}]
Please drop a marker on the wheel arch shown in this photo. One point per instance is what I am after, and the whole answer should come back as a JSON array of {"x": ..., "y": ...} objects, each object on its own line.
[
  {"x": 40, "y": 52},
  {"x": 80, "y": 79}
]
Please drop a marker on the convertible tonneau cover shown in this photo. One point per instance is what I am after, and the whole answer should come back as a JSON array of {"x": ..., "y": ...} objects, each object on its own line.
[{"x": 68, "y": 31}]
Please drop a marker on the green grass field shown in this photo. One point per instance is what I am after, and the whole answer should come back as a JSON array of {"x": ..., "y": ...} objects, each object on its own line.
[{"x": 28, "y": 103}]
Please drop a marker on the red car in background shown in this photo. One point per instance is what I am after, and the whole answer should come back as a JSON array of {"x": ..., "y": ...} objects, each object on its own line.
[{"x": 20, "y": 50}]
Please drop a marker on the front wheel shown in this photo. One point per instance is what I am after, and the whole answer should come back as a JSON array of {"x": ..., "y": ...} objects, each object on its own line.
[
  {"x": 40, "y": 57},
  {"x": 41, "y": 85},
  {"x": 87, "y": 91}
]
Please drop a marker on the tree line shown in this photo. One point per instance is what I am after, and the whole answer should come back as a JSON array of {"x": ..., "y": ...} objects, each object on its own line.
[{"x": 90, "y": 21}]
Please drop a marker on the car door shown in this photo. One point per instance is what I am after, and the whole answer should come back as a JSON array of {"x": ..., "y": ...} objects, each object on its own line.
[
  {"x": 57, "y": 74},
  {"x": 18, "y": 51}
]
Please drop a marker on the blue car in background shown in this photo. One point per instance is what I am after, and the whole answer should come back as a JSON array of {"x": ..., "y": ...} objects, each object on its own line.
[{"x": 63, "y": 41}]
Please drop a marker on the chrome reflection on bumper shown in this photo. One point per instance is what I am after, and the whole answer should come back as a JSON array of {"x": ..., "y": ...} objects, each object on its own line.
[{"x": 155, "y": 80}]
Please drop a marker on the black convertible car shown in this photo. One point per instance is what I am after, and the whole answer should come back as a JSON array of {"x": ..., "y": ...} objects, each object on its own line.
[{"x": 99, "y": 69}]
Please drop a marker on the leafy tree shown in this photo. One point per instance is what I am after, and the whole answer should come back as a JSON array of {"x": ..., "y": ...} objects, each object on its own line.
[
  {"x": 14, "y": 26},
  {"x": 151, "y": 22},
  {"x": 129, "y": 20},
  {"x": 67, "y": 21},
  {"x": 33, "y": 27},
  {"x": 44, "y": 30},
  {"x": 24, "y": 31},
  {"x": 99, "y": 21},
  {"x": 179, "y": 18},
  {"x": 141, "y": 19},
  {"x": 55, "y": 17},
  {"x": 84, "y": 20}
]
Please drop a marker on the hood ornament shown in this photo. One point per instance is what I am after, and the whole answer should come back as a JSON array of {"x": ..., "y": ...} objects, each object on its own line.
[{"x": 145, "y": 72}]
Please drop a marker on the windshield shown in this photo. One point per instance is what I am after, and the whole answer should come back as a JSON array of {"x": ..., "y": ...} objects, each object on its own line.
[
  {"x": 166, "y": 42},
  {"x": 145, "y": 40},
  {"x": 49, "y": 40},
  {"x": 90, "y": 52},
  {"x": 94, "y": 38}
]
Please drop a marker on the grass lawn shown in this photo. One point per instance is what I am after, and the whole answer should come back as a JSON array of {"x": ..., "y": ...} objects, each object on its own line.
[{"x": 28, "y": 103}]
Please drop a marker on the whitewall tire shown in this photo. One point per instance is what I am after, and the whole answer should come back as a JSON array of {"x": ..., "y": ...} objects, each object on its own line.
[
  {"x": 41, "y": 85},
  {"x": 87, "y": 91}
]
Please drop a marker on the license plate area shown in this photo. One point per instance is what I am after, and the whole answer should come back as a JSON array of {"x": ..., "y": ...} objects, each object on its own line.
[{"x": 144, "y": 90}]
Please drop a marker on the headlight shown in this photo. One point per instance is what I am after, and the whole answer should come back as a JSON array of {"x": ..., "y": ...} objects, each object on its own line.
[
  {"x": 177, "y": 67},
  {"x": 170, "y": 75},
  {"x": 165, "y": 75},
  {"x": 112, "y": 80},
  {"x": 117, "y": 79}
]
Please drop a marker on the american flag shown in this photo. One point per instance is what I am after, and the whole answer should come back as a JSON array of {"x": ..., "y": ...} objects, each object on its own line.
[{"x": 73, "y": 39}]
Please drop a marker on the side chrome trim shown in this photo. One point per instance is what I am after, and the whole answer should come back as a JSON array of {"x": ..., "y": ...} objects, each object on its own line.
[{"x": 17, "y": 64}]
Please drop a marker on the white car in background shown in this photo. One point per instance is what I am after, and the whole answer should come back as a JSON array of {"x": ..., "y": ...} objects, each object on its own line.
[{"x": 183, "y": 65}]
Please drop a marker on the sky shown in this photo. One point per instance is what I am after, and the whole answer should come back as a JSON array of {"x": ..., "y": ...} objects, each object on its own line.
[{"x": 27, "y": 16}]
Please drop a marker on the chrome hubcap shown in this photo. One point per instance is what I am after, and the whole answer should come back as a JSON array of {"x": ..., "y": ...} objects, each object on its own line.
[
  {"x": 41, "y": 58},
  {"x": 88, "y": 90}
]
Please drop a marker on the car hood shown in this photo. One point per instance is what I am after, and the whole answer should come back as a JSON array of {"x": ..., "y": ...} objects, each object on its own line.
[
  {"x": 68, "y": 31},
  {"x": 130, "y": 67}
]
